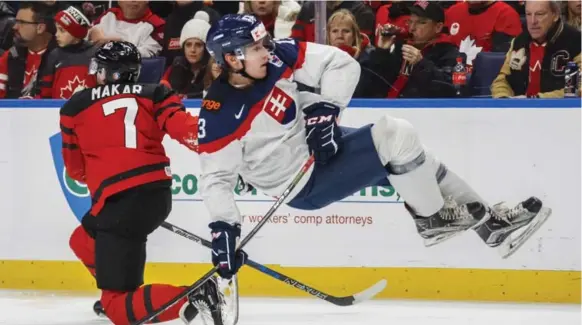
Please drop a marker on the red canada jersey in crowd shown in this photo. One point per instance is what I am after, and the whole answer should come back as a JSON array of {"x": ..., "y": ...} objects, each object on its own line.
[
  {"x": 473, "y": 30},
  {"x": 112, "y": 136},
  {"x": 66, "y": 71},
  {"x": 31, "y": 65}
]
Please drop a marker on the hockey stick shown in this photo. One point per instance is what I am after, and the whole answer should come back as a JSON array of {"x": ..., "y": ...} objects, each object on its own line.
[
  {"x": 196, "y": 285},
  {"x": 339, "y": 301}
]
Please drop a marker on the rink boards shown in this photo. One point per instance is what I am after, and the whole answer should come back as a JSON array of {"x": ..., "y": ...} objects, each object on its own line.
[{"x": 506, "y": 149}]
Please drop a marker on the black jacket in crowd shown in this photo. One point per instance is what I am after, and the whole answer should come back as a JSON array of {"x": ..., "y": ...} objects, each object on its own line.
[
  {"x": 563, "y": 45},
  {"x": 429, "y": 78}
]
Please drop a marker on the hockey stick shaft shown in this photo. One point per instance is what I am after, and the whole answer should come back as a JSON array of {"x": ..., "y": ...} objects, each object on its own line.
[
  {"x": 196, "y": 285},
  {"x": 259, "y": 267}
]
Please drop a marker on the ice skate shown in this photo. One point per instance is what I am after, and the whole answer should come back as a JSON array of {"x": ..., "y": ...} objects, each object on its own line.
[
  {"x": 98, "y": 309},
  {"x": 206, "y": 302},
  {"x": 508, "y": 228},
  {"x": 450, "y": 221}
]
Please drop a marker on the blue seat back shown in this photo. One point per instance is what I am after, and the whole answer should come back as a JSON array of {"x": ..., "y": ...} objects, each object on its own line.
[
  {"x": 152, "y": 69},
  {"x": 486, "y": 67}
]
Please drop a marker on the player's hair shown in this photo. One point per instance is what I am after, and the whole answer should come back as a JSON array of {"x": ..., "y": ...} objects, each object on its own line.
[
  {"x": 346, "y": 15},
  {"x": 42, "y": 13}
]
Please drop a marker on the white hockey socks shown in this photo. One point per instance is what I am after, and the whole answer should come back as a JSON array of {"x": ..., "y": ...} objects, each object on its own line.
[{"x": 419, "y": 186}]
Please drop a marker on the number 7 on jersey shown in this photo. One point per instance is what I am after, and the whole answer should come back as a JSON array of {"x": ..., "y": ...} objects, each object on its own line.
[{"x": 129, "y": 120}]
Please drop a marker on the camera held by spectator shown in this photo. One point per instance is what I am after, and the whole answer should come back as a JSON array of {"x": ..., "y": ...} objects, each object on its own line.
[{"x": 421, "y": 66}]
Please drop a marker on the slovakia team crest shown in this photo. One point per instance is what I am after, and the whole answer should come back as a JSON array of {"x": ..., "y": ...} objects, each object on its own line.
[
  {"x": 77, "y": 194},
  {"x": 281, "y": 106}
]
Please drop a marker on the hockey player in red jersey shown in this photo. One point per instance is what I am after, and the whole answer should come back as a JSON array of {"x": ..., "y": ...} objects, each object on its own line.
[{"x": 112, "y": 141}]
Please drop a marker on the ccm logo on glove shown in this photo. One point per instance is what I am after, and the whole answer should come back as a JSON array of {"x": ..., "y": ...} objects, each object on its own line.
[
  {"x": 320, "y": 119},
  {"x": 323, "y": 136}
]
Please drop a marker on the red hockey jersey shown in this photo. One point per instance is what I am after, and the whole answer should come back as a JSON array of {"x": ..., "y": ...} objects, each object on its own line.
[
  {"x": 112, "y": 136},
  {"x": 473, "y": 30},
  {"x": 66, "y": 71}
]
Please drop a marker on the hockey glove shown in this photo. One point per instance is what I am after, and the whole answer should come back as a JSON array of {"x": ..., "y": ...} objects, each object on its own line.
[
  {"x": 224, "y": 238},
  {"x": 323, "y": 134}
]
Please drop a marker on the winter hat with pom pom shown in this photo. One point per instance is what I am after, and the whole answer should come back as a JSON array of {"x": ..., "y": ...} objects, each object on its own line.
[{"x": 196, "y": 27}]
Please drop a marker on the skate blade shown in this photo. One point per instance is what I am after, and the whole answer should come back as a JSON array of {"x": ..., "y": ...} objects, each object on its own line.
[
  {"x": 206, "y": 316},
  {"x": 229, "y": 295},
  {"x": 441, "y": 238},
  {"x": 511, "y": 244}
]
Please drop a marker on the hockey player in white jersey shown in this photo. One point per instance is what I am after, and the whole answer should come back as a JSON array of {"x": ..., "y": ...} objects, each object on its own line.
[{"x": 256, "y": 123}]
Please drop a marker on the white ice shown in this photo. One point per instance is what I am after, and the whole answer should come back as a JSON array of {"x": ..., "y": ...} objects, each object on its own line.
[{"x": 29, "y": 308}]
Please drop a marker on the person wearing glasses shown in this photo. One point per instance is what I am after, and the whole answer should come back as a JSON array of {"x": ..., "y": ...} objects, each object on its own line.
[{"x": 33, "y": 40}]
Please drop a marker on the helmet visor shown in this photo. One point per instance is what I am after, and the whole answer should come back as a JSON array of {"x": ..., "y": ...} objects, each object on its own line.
[
  {"x": 256, "y": 49},
  {"x": 94, "y": 66}
]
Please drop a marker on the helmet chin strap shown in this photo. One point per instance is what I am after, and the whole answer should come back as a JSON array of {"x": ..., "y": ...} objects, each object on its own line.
[{"x": 243, "y": 72}]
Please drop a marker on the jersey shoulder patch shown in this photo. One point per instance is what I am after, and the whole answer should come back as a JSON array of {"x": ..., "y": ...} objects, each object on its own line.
[
  {"x": 80, "y": 101},
  {"x": 286, "y": 50}
]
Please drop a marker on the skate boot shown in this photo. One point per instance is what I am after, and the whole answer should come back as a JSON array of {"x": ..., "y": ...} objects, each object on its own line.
[
  {"x": 450, "y": 221},
  {"x": 508, "y": 229},
  {"x": 206, "y": 302},
  {"x": 98, "y": 309}
]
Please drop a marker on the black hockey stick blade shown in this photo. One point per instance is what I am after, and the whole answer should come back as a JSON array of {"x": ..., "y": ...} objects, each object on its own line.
[{"x": 367, "y": 294}]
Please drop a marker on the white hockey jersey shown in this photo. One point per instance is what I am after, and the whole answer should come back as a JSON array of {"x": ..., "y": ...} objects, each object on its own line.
[{"x": 259, "y": 132}]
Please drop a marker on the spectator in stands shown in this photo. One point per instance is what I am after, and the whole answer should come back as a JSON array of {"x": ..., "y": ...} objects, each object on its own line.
[
  {"x": 183, "y": 11},
  {"x": 67, "y": 68},
  {"x": 57, "y": 6},
  {"x": 304, "y": 28},
  {"x": 487, "y": 26},
  {"x": 134, "y": 22},
  {"x": 213, "y": 71},
  {"x": 572, "y": 13},
  {"x": 518, "y": 6},
  {"x": 32, "y": 43},
  {"x": 535, "y": 63},
  {"x": 396, "y": 14},
  {"x": 277, "y": 16},
  {"x": 186, "y": 74},
  {"x": 6, "y": 26},
  {"x": 224, "y": 7},
  {"x": 420, "y": 67},
  {"x": 343, "y": 32}
]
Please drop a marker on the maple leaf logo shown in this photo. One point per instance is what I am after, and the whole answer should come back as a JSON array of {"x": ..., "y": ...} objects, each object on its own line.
[
  {"x": 468, "y": 47},
  {"x": 72, "y": 87}
]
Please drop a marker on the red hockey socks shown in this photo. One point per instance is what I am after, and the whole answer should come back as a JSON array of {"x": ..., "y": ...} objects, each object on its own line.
[
  {"x": 123, "y": 308},
  {"x": 84, "y": 247}
]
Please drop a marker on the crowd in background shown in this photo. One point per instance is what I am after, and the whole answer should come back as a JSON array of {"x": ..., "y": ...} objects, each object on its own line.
[{"x": 407, "y": 49}]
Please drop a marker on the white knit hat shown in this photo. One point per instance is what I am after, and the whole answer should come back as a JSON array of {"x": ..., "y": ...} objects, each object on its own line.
[{"x": 196, "y": 27}]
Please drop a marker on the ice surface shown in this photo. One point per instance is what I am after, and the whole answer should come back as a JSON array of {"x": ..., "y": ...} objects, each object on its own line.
[{"x": 29, "y": 308}]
